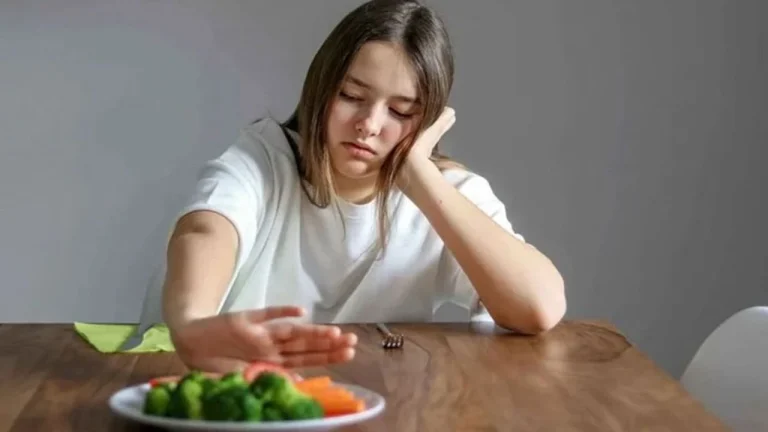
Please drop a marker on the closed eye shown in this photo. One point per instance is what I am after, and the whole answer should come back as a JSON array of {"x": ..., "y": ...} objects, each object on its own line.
[
  {"x": 395, "y": 113},
  {"x": 348, "y": 96},
  {"x": 400, "y": 115}
]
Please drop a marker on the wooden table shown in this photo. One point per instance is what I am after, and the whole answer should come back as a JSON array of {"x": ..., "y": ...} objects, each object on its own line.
[{"x": 581, "y": 376}]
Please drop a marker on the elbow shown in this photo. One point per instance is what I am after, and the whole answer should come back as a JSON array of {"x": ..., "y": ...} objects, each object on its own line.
[
  {"x": 543, "y": 319},
  {"x": 548, "y": 316},
  {"x": 550, "y": 308},
  {"x": 543, "y": 313},
  {"x": 547, "y": 304},
  {"x": 551, "y": 305}
]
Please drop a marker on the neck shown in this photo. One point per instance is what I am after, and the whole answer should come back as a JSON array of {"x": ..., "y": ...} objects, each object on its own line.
[{"x": 356, "y": 191}]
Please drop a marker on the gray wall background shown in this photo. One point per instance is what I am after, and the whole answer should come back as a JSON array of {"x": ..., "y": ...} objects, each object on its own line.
[{"x": 627, "y": 138}]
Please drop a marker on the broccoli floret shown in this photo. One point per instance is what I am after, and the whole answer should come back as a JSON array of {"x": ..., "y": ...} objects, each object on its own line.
[
  {"x": 195, "y": 376},
  {"x": 186, "y": 399},
  {"x": 221, "y": 405},
  {"x": 215, "y": 387},
  {"x": 232, "y": 404},
  {"x": 170, "y": 386},
  {"x": 208, "y": 386},
  {"x": 251, "y": 407},
  {"x": 234, "y": 379},
  {"x": 157, "y": 400},
  {"x": 305, "y": 408},
  {"x": 280, "y": 392},
  {"x": 266, "y": 384},
  {"x": 270, "y": 412}
]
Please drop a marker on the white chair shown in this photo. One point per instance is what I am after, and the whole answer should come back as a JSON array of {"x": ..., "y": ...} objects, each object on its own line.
[{"x": 729, "y": 372}]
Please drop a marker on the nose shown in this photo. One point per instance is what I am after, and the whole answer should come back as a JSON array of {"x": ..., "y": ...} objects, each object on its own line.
[{"x": 370, "y": 123}]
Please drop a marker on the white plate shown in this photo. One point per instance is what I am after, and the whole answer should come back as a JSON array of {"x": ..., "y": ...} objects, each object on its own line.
[{"x": 129, "y": 403}]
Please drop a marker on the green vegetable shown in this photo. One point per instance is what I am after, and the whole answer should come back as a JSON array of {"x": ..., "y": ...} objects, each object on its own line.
[
  {"x": 195, "y": 376},
  {"x": 266, "y": 384},
  {"x": 251, "y": 407},
  {"x": 271, "y": 397},
  {"x": 208, "y": 386},
  {"x": 170, "y": 386},
  {"x": 280, "y": 393},
  {"x": 270, "y": 412},
  {"x": 234, "y": 379},
  {"x": 186, "y": 399},
  {"x": 212, "y": 388},
  {"x": 303, "y": 409},
  {"x": 157, "y": 401},
  {"x": 232, "y": 403}
]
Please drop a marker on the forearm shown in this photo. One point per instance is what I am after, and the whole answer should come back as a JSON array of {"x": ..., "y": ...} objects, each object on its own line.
[
  {"x": 519, "y": 286},
  {"x": 201, "y": 259}
]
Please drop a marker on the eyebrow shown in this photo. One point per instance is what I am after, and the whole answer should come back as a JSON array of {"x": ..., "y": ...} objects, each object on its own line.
[{"x": 365, "y": 85}]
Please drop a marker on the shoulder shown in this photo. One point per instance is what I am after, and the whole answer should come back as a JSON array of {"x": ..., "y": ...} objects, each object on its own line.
[
  {"x": 265, "y": 135},
  {"x": 260, "y": 147}
]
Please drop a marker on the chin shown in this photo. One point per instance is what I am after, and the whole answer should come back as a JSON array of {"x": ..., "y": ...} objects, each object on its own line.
[{"x": 354, "y": 169}]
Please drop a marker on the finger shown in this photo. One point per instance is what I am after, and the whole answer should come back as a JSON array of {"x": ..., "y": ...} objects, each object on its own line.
[
  {"x": 319, "y": 359},
  {"x": 448, "y": 118},
  {"x": 447, "y": 114},
  {"x": 274, "y": 358},
  {"x": 283, "y": 331},
  {"x": 347, "y": 339},
  {"x": 304, "y": 345},
  {"x": 254, "y": 340},
  {"x": 443, "y": 123},
  {"x": 449, "y": 124},
  {"x": 274, "y": 312}
]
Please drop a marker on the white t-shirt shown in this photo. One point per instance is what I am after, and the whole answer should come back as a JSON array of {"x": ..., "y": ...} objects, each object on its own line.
[{"x": 292, "y": 252}]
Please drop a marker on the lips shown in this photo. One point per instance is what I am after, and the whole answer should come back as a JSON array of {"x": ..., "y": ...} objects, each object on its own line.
[{"x": 361, "y": 147}]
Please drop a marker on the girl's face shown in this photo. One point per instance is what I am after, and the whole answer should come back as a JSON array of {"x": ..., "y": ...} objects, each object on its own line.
[{"x": 376, "y": 109}]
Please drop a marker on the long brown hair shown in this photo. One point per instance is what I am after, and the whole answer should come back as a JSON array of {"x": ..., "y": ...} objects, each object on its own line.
[{"x": 422, "y": 35}]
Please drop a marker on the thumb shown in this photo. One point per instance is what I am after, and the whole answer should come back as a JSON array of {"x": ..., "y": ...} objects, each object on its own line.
[{"x": 274, "y": 312}]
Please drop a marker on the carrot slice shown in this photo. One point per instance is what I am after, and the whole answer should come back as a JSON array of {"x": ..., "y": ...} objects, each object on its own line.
[
  {"x": 330, "y": 393},
  {"x": 310, "y": 385},
  {"x": 337, "y": 401},
  {"x": 337, "y": 407},
  {"x": 154, "y": 382}
]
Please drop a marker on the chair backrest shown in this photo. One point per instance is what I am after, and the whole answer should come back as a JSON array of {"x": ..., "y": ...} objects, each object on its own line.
[{"x": 729, "y": 373}]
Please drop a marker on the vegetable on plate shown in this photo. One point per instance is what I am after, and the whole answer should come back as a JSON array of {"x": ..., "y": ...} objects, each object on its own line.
[{"x": 261, "y": 393}]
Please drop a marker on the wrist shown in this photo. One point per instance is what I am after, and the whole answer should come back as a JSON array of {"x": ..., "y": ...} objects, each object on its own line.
[
  {"x": 181, "y": 317},
  {"x": 417, "y": 177},
  {"x": 184, "y": 329}
]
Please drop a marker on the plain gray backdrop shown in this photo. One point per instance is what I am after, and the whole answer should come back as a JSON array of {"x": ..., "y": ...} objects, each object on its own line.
[{"x": 628, "y": 139}]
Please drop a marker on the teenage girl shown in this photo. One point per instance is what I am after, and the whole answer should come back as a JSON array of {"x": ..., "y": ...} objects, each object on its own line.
[{"x": 347, "y": 212}]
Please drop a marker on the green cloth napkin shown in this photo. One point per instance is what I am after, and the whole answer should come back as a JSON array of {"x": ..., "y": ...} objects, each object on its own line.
[{"x": 108, "y": 338}]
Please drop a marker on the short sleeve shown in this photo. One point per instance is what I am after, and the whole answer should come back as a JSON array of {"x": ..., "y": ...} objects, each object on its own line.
[
  {"x": 459, "y": 289},
  {"x": 234, "y": 186}
]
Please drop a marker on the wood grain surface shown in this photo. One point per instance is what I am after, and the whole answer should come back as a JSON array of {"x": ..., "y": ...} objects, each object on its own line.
[{"x": 581, "y": 376}]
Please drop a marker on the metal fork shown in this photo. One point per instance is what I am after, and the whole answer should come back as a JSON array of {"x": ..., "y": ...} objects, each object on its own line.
[{"x": 391, "y": 340}]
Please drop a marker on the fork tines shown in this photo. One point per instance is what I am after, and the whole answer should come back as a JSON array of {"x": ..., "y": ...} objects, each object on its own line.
[{"x": 392, "y": 341}]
